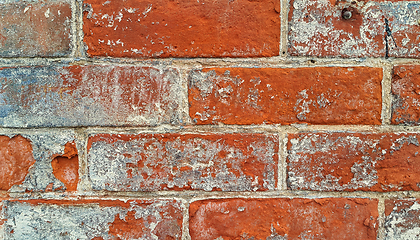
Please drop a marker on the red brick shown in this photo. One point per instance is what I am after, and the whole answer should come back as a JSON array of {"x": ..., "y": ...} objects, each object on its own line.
[
  {"x": 380, "y": 162},
  {"x": 317, "y": 28},
  {"x": 405, "y": 92},
  {"x": 66, "y": 167},
  {"x": 322, "y": 95},
  {"x": 283, "y": 218},
  {"x": 94, "y": 95},
  {"x": 15, "y": 160},
  {"x": 92, "y": 219},
  {"x": 152, "y": 162},
  {"x": 402, "y": 219},
  {"x": 160, "y": 28},
  {"x": 35, "y": 28}
]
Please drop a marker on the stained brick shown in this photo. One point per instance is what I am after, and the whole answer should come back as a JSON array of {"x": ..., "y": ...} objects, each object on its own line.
[
  {"x": 317, "y": 28},
  {"x": 150, "y": 162},
  {"x": 27, "y": 162},
  {"x": 52, "y": 96},
  {"x": 405, "y": 92},
  {"x": 402, "y": 219},
  {"x": 163, "y": 28},
  {"x": 354, "y": 161},
  {"x": 92, "y": 219},
  {"x": 322, "y": 95},
  {"x": 283, "y": 218},
  {"x": 32, "y": 28}
]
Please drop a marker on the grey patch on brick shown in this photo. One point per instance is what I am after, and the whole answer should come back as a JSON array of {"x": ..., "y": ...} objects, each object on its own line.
[
  {"x": 40, "y": 97},
  {"x": 44, "y": 146},
  {"x": 365, "y": 174},
  {"x": 108, "y": 167},
  {"x": 403, "y": 225},
  {"x": 306, "y": 26},
  {"x": 85, "y": 221}
]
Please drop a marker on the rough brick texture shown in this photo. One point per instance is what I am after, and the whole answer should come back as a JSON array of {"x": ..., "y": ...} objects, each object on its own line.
[
  {"x": 209, "y": 119},
  {"x": 402, "y": 219},
  {"x": 354, "y": 161},
  {"x": 405, "y": 93},
  {"x": 150, "y": 162},
  {"x": 282, "y": 218},
  {"x": 37, "y": 162},
  {"x": 52, "y": 96},
  {"x": 375, "y": 29},
  {"x": 163, "y": 28},
  {"x": 276, "y": 95},
  {"x": 32, "y": 28},
  {"x": 92, "y": 219}
]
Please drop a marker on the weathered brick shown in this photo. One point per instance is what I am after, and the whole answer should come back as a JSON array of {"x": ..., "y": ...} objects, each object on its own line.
[
  {"x": 52, "y": 96},
  {"x": 92, "y": 219},
  {"x": 28, "y": 162},
  {"x": 66, "y": 167},
  {"x": 15, "y": 160},
  {"x": 160, "y": 28},
  {"x": 402, "y": 219},
  {"x": 32, "y": 28},
  {"x": 317, "y": 28},
  {"x": 150, "y": 162},
  {"x": 354, "y": 161},
  {"x": 283, "y": 218},
  {"x": 405, "y": 92},
  {"x": 322, "y": 95}
]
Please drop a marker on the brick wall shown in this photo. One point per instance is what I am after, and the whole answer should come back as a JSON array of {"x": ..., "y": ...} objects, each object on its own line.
[{"x": 209, "y": 119}]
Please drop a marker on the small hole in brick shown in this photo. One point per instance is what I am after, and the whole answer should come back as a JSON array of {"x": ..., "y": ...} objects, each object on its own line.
[
  {"x": 313, "y": 61},
  {"x": 346, "y": 14}
]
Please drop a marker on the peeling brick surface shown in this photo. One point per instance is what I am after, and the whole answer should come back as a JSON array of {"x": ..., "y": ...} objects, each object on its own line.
[
  {"x": 15, "y": 160},
  {"x": 163, "y": 28},
  {"x": 317, "y": 28},
  {"x": 402, "y": 219},
  {"x": 354, "y": 162},
  {"x": 282, "y": 218},
  {"x": 92, "y": 219},
  {"x": 322, "y": 95},
  {"x": 32, "y": 28},
  {"x": 53, "y": 96},
  {"x": 150, "y": 162},
  {"x": 26, "y": 162},
  {"x": 406, "y": 95}
]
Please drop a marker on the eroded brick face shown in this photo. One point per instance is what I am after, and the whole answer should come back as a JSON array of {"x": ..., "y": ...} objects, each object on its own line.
[
  {"x": 402, "y": 219},
  {"x": 163, "y": 28},
  {"x": 405, "y": 93},
  {"x": 281, "y": 218},
  {"x": 317, "y": 28},
  {"x": 15, "y": 160},
  {"x": 35, "y": 28},
  {"x": 353, "y": 162},
  {"x": 150, "y": 162},
  {"x": 97, "y": 95},
  {"x": 322, "y": 95},
  {"x": 92, "y": 219}
]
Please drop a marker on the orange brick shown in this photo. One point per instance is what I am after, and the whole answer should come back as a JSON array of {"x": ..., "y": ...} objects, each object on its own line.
[
  {"x": 32, "y": 28},
  {"x": 354, "y": 162},
  {"x": 283, "y": 218},
  {"x": 161, "y": 28},
  {"x": 92, "y": 219},
  {"x": 406, "y": 95},
  {"x": 15, "y": 160},
  {"x": 322, "y": 95},
  {"x": 152, "y": 162},
  {"x": 376, "y": 28}
]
